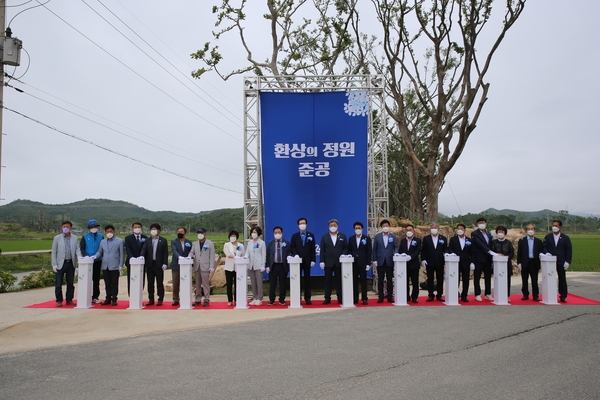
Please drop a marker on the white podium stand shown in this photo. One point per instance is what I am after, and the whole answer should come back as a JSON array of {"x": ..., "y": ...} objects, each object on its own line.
[
  {"x": 185, "y": 283},
  {"x": 136, "y": 283},
  {"x": 451, "y": 279},
  {"x": 295, "y": 301},
  {"x": 400, "y": 280},
  {"x": 549, "y": 285},
  {"x": 84, "y": 282},
  {"x": 241, "y": 284},
  {"x": 500, "y": 281},
  {"x": 347, "y": 281}
]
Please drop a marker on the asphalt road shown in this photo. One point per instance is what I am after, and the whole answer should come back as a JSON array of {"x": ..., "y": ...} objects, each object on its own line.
[{"x": 537, "y": 352}]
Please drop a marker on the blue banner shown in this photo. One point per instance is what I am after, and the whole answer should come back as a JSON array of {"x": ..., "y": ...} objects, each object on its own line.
[{"x": 314, "y": 161}]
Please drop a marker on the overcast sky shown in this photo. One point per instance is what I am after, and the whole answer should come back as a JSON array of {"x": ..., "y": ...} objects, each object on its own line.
[{"x": 535, "y": 146}]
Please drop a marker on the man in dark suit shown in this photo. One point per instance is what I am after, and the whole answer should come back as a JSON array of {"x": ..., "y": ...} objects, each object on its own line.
[
  {"x": 461, "y": 246},
  {"x": 385, "y": 245},
  {"x": 180, "y": 247},
  {"x": 133, "y": 247},
  {"x": 304, "y": 246},
  {"x": 528, "y": 262},
  {"x": 333, "y": 245},
  {"x": 278, "y": 251},
  {"x": 156, "y": 253},
  {"x": 481, "y": 256},
  {"x": 360, "y": 247},
  {"x": 558, "y": 244},
  {"x": 411, "y": 246},
  {"x": 432, "y": 256}
]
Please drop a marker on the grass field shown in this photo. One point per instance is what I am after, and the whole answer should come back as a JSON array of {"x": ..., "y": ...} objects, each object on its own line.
[{"x": 586, "y": 252}]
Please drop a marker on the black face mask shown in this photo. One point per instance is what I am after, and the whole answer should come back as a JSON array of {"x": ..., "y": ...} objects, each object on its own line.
[{"x": 180, "y": 235}]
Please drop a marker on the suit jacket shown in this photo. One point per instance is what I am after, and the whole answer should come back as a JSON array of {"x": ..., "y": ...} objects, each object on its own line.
[
  {"x": 411, "y": 248},
  {"x": 132, "y": 248},
  {"x": 58, "y": 250},
  {"x": 434, "y": 255},
  {"x": 272, "y": 248},
  {"x": 381, "y": 253},
  {"x": 463, "y": 253},
  {"x": 256, "y": 253},
  {"x": 563, "y": 250},
  {"x": 203, "y": 255},
  {"x": 112, "y": 259},
  {"x": 505, "y": 248},
  {"x": 177, "y": 251},
  {"x": 162, "y": 252},
  {"x": 523, "y": 253},
  {"x": 363, "y": 253},
  {"x": 330, "y": 253},
  {"x": 479, "y": 252},
  {"x": 308, "y": 251}
]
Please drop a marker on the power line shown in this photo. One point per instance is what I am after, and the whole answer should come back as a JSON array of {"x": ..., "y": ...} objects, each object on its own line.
[
  {"x": 116, "y": 152},
  {"x": 136, "y": 73}
]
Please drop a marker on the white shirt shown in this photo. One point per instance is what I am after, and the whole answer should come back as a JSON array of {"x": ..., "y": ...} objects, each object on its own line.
[
  {"x": 333, "y": 238},
  {"x": 462, "y": 241},
  {"x": 556, "y": 237},
  {"x": 358, "y": 240},
  {"x": 435, "y": 240},
  {"x": 385, "y": 239}
]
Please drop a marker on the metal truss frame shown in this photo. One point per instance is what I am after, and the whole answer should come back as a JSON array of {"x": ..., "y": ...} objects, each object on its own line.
[{"x": 378, "y": 203}]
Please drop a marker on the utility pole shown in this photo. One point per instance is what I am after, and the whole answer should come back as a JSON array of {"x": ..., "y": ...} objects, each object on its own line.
[{"x": 2, "y": 36}]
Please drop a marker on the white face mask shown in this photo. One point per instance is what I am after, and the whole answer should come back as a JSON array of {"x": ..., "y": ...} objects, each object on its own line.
[
  {"x": 333, "y": 229},
  {"x": 460, "y": 232},
  {"x": 386, "y": 229},
  {"x": 358, "y": 232},
  {"x": 482, "y": 226},
  {"x": 409, "y": 234},
  {"x": 302, "y": 227},
  {"x": 137, "y": 231},
  {"x": 254, "y": 235},
  {"x": 94, "y": 230},
  {"x": 555, "y": 229},
  {"x": 232, "y": 239},
  {"x": 434, "y": 231},
  {"x": 201, "y": 236},
  {"x": 110, "y": 235},
  {"x": 277, "y": 236},
  {"x": 154, "y": 232},
  {"x": 530, "y": 232},
  {"x": 501, "y": 236}
]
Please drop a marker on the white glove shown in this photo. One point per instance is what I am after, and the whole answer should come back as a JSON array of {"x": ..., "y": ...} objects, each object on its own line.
[
  {"x": 268, "y": 270},
  {"x": 120, "y": 269},
  {"x": 368, "y": 267},
  {"x": 322, "y": 265},
  {"x": 211, "y": 270},
  {"x": 549, "y": 254},
  {"x": 54, "y": 268},
  {"x": 164, "y": 267},
  {"x": 396, "y": 254},
  {"x": 297, "y": 256},
  {"x": 472, "y": 267},
  {"x": 409, "y": 257},
  {"x": 374, "y": 264},
  {"x": 423, "y": 263},
  {"x": 312, "y": 263},
  {"x": 93, "y": 257},
  {"x": 452, "y": 254},
  {"x": 262, "y": 269},
  {"x": 491, "y": 253},
  {"x": 566, "y": 265},
  {"x": 520, "y": 267}
]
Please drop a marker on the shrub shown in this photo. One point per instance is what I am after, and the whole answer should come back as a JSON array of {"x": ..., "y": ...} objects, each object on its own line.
[
  {"x": 40, "y": 279},
  {"x": 7, "y": 280}
]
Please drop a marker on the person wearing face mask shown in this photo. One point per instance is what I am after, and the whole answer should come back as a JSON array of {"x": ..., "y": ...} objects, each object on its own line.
[
  {"x": 528, "y": 262},
  {"x": 278, "y": 251},
  {"x": 133, "y": 248},
  {"x": 64, "y": 261},
  {"x": 385, "y": 245},
  {"x": 432, "y": 258},
  {"x": 481, "y": 255},
  {"x": 203, "y": 254},
  {"x": 303, "y": 246},
  {"x": 231, "y": 249},
  {"x": 461, "y": 246},
  {"x": 411, "y": 246},
  {"x": 88, "y": 246},
  {"x": 558, "y": 244},
  {"x": 111, "y": 253},
  {"x": 256, "y": 251},
  {"x": 156, "y": 254},
  {"x": 360, "y": 247},
  {"x": 333, "y": 245},
  {"x": 504, "y": 247},
  {"x": 180, "y": 247}
]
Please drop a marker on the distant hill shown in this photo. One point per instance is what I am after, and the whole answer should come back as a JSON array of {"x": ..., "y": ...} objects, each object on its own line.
[{"x": 527, "y": 214}]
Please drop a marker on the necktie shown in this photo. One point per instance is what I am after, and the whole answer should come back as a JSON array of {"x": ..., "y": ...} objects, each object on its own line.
[
  {"x": 278, "y": 253},
  {"x": 138, "y": 238},
  {"x": 303, "y": 238}
]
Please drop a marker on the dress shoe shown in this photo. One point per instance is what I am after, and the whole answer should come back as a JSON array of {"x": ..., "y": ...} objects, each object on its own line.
[
  {"x": 59, "y": 304},
  {"x": 429, "y": 299},
  {"x": 326, "y": 302},
  {"x": 106, "y": 302},
  {"x": 415, "y": 301},
  {"x": 206, "y": 303},
  {"x": 365, "y": 302},
  {"x": 175, "y": 303},
  {"x": 439, "y": 297},
  {"x": 271, "y": 303},
  {"x": 379, "y": 300},
  {"x": 150, "y": 303},
  {"x": 464, "y": 299},
  {"x": 196, "y": 303},
  {"x": 536, "y": 298},
  {"x": 282, "y": 303},
  {"x": 525, "y": 298},
  {"x": 390, "y": 299},
  {"x": 159, "y": 303},
  {"x": 308, "y": 303},
  {"x": 70, "y": 303},
  {"x": 114, "y": 303},
  {"x": 563, "y": 299}
]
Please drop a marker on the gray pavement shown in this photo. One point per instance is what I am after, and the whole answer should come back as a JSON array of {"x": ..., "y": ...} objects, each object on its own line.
[{"x": 512, "y": 352}]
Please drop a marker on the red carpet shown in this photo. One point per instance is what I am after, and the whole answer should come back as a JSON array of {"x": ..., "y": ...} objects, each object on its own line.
[{"x": 515, "y": 300}]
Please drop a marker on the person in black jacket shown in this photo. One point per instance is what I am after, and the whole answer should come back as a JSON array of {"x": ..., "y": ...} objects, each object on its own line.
[
  {"x": 504, "y": 247},
  {"x": 481, "y": 256},
  {"x": 432, "y": 256},
  {"x": 155, "y": 251},
  {"x": 360, "y": 247},
  {"x": 558, "y": 244},
  {"x": 411, "y": 246},
  {"x": 304, "y": 246},
  {"x": 528, "y": 262},
  {"x": 461, "y": 246},
  {"x": 333, "y": 245}
]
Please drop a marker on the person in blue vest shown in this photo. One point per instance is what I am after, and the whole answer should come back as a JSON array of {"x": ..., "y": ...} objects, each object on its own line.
[{"x": 89, "y": 245}]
